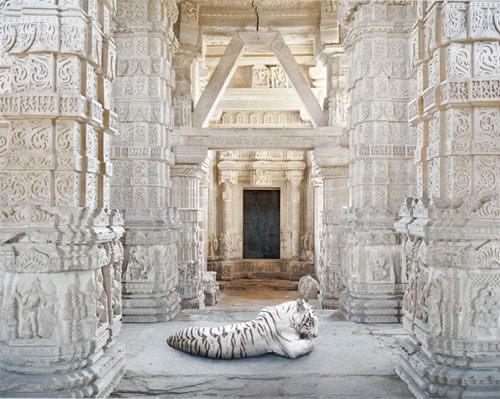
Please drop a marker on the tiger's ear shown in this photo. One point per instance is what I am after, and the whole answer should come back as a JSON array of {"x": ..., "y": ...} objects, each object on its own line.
[{"x": 300, "y": 304}]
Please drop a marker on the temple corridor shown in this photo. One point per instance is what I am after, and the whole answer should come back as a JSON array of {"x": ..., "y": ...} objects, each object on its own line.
[
  {"x": 171, "y": 163},
  {"x": 350, "y": 361}
]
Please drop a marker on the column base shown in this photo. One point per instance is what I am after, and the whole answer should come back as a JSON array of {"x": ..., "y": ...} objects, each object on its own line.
[
  {"x": 329, "y": 303},
  {"x": 148, "y": 308},
  {"x": 97, "y": 380},
  {"x": 373, "y": 309},
  {"x": 427, "y": 379},
  {"x": 194, "y": 303}
]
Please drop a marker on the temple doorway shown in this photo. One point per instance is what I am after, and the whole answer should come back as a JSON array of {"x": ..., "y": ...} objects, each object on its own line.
[{"x": 261, "y": 224}]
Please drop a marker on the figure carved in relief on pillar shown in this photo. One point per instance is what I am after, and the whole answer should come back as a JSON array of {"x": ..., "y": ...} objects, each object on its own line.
[
  {"x": 486, "y": 310},
  {"x": 117, "y": 290},
  {"x": 306, "y": 245},
  {"x": 137, "y": 265},
  {"x": 101, "y": 301},
  {"x": 434, "y": 303},
  {"x": 410, "y": 296},
  {"x": 117, "y": 258},
  {"x": 381, "y": 267},
  {"x": 423, "y": 291},
  {"x": 36, "y": 314},
  {"x": 213, "y": 246}
]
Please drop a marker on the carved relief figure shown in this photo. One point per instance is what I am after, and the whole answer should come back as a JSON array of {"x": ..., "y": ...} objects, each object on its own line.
[
  {"x": 37, "y": 314},
  {"x": 117, "y": 290},
  {"x": 380, "y": 266},
  {"x": 138, "y": 267},
  {"x": 410, "y": 296},
  {"x": 101, "y": 297},
  {"x": 116, "y": 296},
  {"x": 213, "y": 246},
  {"x": 486, "y": 310},
  {"x": 306, "y": 241},
  {"x": 423, "y": 290},
  {"x": 435, "y": 299}
]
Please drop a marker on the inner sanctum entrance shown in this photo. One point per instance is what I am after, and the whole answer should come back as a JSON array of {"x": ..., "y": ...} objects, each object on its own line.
[
  {"x": 260, "y": 218},
  {"x": 261, "y": 224}
]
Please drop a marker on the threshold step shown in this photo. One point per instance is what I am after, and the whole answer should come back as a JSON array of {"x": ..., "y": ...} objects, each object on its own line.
[{"x": 275, "y": 284}]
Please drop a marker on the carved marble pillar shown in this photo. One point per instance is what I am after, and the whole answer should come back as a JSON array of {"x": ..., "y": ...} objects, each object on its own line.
[
  {"x": 230, "y": 235},
  {"x": 380, "y": 159},
  {"x": 293, "y": 180},
  {"x": 334, "y": 172},
  {"x": 182, "y": 98},
  {"x": 141, "y": 158},
  {"x": 186, "y": 175},
  {"x": 317, "y": 235},
  {"x": 451, "y": 231},
  {"x": 204, "y": 182},
  {"x": 60, "y": 254},
  {"x": 185, "y": 64},
  {"x": 213, "y": 211},
  {"x": 337, "y": 67}
]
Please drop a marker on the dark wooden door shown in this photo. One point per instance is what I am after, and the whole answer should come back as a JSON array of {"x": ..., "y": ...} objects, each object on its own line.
[{"x": 261, "y": 224}]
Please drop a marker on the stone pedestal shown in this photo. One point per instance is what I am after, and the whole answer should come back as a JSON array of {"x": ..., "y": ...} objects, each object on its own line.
[
  {"x": 141, "y": 158},
  {"x": 380, "y": 156},
  {"x": 60, "y": 255},
  {"x": 450, "y": 232}
]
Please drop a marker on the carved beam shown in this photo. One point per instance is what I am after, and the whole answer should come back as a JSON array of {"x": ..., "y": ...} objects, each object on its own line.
[
  {"x": 218, "y": 82},
  {"x": 229, "y": 61},
  {"x": 298, "y": 81}
]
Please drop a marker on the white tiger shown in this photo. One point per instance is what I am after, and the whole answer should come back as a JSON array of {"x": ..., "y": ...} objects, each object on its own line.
[{"x": 286, "y": 329}]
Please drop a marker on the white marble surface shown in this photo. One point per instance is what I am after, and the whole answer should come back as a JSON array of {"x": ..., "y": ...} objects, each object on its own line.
[{"x": 348, "y": 361}]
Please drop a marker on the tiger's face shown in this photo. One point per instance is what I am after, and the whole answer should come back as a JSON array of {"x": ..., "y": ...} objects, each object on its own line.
[{"x": 306, "y": 322}]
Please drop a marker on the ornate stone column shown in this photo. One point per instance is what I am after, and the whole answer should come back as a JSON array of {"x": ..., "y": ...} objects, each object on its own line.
[
  {"x": 293, "y": 180},
  {"x": 337, "y": 66},
  {"x": 184, "y": 63},
  {"x": 183, "y": 100},
  {"x": 141, "y": 157},
  {"x": 204, "y": 182},
  {"x": 451, "y": 231},
  {"x": 380, "y": 155},
  {"x": 186, "y": 174},
  {"x": 334, "y": 172},
  {"x": 317, "y": 185},
  {"x": 229, "y": 235},
  {"x": 60, "y": 254}
]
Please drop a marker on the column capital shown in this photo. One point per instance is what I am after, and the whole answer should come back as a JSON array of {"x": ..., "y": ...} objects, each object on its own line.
[
  {"x": 228, "y": 177},
  {"x": 191, "y": 155},
  {"x": 189, "y": 27},
  {"x": 294, "y": 176},
  {"x": 326, "y": 157}
]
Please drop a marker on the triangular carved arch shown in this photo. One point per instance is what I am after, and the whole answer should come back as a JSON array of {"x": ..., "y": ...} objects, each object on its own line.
[{"x": 227, "y": 65}]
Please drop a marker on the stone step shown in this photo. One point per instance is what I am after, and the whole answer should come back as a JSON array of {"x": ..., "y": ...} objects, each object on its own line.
[{"x": 244, "y": 284}]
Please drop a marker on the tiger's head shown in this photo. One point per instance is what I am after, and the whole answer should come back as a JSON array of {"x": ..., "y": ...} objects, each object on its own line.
[{"x": 304, "y": 320}]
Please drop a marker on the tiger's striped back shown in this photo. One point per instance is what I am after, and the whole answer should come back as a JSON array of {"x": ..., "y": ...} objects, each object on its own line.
[{"x": 256, "y": 337}]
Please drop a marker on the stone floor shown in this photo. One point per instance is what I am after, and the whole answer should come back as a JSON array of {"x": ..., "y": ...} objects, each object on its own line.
[{"x": 348, "y": 360}]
